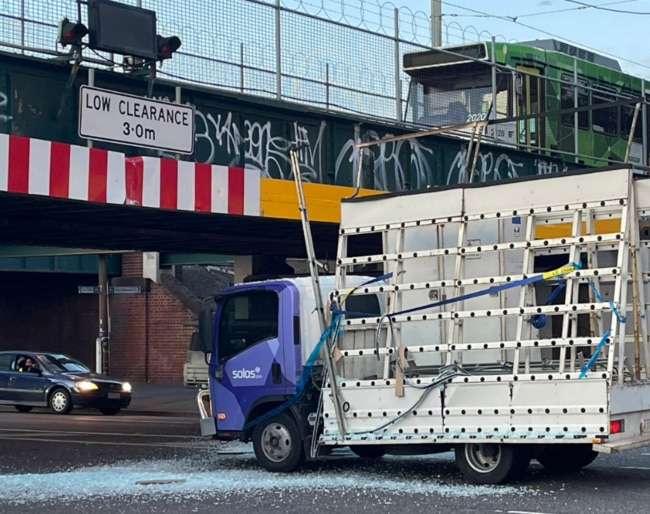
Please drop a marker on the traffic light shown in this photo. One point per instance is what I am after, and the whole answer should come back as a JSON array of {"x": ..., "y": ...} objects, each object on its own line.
[
  {"x": 71, "y": 33},
  {"x": 167, "y": 46}
]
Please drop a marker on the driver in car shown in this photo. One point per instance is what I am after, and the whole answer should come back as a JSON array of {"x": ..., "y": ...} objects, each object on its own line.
[{"x": 29, "y": 366}]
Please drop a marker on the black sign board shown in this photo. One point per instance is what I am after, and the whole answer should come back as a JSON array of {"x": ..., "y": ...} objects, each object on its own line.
[{"x": 122, "y": 29}]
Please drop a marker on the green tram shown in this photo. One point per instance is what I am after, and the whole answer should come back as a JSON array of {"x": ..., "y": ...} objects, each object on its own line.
[{"x": 553, "y": 98}]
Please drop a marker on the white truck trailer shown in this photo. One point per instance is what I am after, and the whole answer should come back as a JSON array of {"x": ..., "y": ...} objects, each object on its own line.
[{"x": 513, "y": 325}]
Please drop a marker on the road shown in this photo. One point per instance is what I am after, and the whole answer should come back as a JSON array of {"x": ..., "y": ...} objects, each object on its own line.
[{"x": 136, "y": 464}]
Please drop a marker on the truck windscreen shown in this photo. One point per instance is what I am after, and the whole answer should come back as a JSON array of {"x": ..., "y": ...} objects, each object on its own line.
[{"x": 246, "y": 319}]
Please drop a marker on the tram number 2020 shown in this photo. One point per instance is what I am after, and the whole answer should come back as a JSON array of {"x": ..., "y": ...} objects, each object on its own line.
[{"x": 480, "y": 116}]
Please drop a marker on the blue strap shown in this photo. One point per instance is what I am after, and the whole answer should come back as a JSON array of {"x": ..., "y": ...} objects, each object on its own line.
[
  {"x": 539, "y": 320},
  {"x": 594, "y": 357},
  {"x": 495, "y": 289},
  {"x": 612, "y": 306}
]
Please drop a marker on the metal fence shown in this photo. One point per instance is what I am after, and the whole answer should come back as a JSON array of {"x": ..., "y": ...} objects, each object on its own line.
[{"x": 341, "y": 55}]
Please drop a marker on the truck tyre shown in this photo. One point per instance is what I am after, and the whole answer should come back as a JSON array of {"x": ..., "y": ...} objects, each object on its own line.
[
  {"x": 566, "y": 457},
  {"x": 277, "y": 444},
  {"x": 368, "y": 451},
  {"x": 493, "y": 463}
]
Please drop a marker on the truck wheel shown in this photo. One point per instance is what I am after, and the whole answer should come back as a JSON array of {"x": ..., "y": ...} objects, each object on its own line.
[
  {"x": 566, "y": 457},
  {"x": 368, "y": 451},
  {"x": 277, "y": 444},
  {"x": 483, "y": 463}
]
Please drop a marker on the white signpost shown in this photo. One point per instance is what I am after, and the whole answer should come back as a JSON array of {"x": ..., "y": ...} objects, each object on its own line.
[{"x": 133, "y": 120}]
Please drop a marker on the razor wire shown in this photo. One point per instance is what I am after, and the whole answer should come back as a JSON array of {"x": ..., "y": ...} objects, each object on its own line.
[{"x": 340, "y": 55}]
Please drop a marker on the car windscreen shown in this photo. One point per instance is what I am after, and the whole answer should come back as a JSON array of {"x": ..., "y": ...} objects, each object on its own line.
[{"x": 63, "y": 363}]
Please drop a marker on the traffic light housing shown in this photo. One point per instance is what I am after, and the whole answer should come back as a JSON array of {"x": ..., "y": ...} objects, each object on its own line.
[
  {"x": 167, "y": 46},
  {"x": 71, "y": 33}
]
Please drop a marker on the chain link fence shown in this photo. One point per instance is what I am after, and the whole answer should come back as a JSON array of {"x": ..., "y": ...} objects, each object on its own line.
[{"x": 341, "y": 55}]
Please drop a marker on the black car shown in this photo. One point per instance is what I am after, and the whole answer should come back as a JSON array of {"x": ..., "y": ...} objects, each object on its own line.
[{"x": 39, "y": 379}]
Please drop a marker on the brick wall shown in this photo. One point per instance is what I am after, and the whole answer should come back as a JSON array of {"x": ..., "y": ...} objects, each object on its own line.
[
  {"x": 150, "y": 332},
  {"x": 45, "y": 312}
]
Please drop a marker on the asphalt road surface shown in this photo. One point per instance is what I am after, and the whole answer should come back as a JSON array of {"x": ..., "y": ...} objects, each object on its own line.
[{"x": 138, "y": 464}]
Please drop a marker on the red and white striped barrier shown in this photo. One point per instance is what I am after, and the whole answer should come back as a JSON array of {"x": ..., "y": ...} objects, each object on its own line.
[
  {"x": 37, "y": 167},
  {"x": 189, "y": 186}
]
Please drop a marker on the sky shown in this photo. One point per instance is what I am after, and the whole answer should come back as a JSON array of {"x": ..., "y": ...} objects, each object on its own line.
[{"x": 617, "y": 28}]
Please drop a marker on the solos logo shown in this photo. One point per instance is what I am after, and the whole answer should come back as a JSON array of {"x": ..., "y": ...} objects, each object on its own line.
[{"x": 246, "y": 373}]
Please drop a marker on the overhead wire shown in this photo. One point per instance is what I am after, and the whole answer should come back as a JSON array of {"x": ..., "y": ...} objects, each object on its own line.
[
  {"x": 601, "y": 7},
  {"x": 515, "y": 19}
]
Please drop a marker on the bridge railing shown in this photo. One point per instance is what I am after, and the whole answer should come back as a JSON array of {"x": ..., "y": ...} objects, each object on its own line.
[{"x": 341, "y": 56}]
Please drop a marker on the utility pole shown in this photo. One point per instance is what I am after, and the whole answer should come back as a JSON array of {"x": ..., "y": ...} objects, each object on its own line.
[
  {"x": 436, "y": 23},
  {"x": 102, "y": 348}
]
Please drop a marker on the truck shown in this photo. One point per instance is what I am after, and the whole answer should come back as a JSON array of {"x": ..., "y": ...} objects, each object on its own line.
[{"x": 503, "y": 321}]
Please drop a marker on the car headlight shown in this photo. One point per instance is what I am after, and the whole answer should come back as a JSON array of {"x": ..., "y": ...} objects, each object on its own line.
[
  {"x": 126, "y": 387},
  {"x": 85, "y": 385}
]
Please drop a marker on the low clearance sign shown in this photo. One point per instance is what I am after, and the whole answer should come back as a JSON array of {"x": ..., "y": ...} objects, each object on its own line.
[{"x": 133, "y": 120}]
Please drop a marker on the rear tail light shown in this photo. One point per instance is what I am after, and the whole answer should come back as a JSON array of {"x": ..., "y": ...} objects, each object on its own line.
[{"x": 616, "y": 426}]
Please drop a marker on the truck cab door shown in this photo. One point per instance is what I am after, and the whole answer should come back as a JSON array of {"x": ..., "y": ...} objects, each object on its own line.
[{"x": 255, "y": 358}]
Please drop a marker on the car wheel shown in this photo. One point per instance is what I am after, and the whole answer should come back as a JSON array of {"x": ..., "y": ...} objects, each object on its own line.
[
  {"x": 277, "y": 444},
  {"x": 109, "y": 411},
  {"x": 368, "y": 451},
  {"x": 23, "y": 408},
  {"x": 60, "y": 401},
  {"x": 492, "y": 463}
]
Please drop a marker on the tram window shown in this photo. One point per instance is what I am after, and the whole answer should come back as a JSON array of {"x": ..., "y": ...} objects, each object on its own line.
[
  {"x": 627, "y": 115},
  {"x": 604, "y": 118},
  {"x": 567, "y": 101}
]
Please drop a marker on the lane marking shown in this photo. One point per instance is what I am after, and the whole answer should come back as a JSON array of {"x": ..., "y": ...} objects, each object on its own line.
[
  {"x": 123, "y": 434},
  {"x": 162, "y": 420},
  {"x": 635, "y": 467},
  {"x": 109, "y": 443},
  {"x": 525, "y": 512}
]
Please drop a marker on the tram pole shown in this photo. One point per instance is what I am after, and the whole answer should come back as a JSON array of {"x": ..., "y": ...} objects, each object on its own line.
[{"x": 436, "y": 23}]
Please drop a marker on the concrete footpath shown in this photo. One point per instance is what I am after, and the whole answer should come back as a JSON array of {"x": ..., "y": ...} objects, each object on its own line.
[{"x": 163, "y": 400}]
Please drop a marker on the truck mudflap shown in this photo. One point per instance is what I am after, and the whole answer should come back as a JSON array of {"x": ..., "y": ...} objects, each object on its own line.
[{"x": 207, "y": 423}]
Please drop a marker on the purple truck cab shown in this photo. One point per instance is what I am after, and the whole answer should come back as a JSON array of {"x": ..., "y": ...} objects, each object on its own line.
[
  {"x": 257, "y": 355},
  {"x": 265, "y": 373}
]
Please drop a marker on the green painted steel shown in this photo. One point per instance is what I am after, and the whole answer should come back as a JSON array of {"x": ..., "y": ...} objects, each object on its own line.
[
  {"x": 177, "y": 259},
  {"x": 77, "y": 264},
  {"x": 240, "y": 130}
]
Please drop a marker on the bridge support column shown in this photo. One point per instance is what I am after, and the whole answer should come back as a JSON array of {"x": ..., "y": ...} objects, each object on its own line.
[
  {"x": 243, "y": 267},
  {"x": 151, "y": 266},
  {"x": 102, "y": 343}
]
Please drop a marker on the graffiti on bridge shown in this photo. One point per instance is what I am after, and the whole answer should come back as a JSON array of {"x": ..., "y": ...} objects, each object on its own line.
[
  {"x": 263, "y": 145},
  {"x": 387, "y": 169},
  {"x": 4, "y": 118},
  {"x": 254, "y": 144},
  {"x": 501, "y": 166}
]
